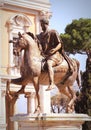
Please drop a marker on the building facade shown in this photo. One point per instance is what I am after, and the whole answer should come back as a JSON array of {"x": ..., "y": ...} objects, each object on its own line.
[{"x": 15, "y": 16}]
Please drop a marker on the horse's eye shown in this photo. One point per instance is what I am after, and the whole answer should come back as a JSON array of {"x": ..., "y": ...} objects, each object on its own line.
[{"x": 21, "y": 39}]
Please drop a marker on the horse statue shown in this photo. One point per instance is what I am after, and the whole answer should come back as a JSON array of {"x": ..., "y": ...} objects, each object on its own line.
[{"x": 31, "y": 71}]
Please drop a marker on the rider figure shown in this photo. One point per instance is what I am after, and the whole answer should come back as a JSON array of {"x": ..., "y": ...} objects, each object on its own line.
[{"x": 50, "y": 44}]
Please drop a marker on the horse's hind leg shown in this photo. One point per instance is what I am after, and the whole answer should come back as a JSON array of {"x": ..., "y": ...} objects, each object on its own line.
[
  {"x": 63, "y": 89},
  {"x": 68, "y": 91},
  {"x": 73, "y": 98}
]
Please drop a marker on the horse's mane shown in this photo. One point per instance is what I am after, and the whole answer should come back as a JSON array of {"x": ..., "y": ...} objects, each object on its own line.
[{"x": 31, "y": 34}]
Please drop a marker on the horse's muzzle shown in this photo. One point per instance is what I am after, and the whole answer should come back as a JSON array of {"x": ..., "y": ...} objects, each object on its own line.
[{"x": 15, "y": 52}]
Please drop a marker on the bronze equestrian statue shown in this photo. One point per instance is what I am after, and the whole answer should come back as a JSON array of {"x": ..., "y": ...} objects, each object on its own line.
[{"x": 31, "y": 70}]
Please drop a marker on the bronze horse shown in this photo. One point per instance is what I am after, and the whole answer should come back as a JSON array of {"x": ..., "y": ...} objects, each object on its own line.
[{"x": 31, "y": 70}]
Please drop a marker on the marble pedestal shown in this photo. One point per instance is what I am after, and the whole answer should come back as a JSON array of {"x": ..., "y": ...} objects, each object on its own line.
[{"x": 50, "y": 121}]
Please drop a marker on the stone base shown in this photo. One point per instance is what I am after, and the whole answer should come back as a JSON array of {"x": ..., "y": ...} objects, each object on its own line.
[
  {"x": 51, "y": 121},
  {"x": 3, "y": 126}
]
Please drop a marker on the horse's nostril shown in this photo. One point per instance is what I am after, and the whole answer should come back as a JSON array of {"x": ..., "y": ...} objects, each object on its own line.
[
  {"x": 18, "y": 54},
  {"x": 15, "y": 52}
]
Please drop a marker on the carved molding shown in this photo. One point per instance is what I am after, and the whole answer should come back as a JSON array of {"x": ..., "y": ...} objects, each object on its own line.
[
  {"x": 45, "y": 14},
  {"x": 19, "y": 20}
]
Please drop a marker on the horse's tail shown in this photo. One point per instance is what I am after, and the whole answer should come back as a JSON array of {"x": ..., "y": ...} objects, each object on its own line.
[{"x": 78, "y": 75}]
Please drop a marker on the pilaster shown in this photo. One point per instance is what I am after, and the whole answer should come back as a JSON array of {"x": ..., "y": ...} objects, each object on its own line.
[
  {"x": 0, "y": 38},
  {"x": 2, "y": 109},
  {"x": 45, "y": 100}
]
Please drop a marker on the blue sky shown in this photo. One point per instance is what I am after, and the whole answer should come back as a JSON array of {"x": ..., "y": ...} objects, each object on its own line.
[{"x": 63, "y": 12}]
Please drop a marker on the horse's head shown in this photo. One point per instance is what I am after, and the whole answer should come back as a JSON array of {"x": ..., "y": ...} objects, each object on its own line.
[
  {"x": 19, "y": 44},
  {"x": 26, "y": 41}
]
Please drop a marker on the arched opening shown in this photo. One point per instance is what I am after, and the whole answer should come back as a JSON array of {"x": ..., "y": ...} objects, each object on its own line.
[{"x": 17, "y": 23}]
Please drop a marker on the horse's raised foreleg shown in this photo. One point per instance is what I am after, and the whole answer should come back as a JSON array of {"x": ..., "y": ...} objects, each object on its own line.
[
  {"x": 36, "y": 86},
  {"x": 18, "y": 81},
  {"x": 8, "y": 93}
]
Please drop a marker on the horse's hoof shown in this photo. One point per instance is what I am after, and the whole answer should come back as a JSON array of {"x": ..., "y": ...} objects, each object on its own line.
[
  {"x": 70, "y": 108},
  {"x": 37, "y": 110},
  {"x": 50, "y": 87}
]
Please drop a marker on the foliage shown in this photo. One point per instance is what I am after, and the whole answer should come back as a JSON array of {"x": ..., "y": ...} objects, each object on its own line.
[
  {"x": 83, "y": 103},
  {"x": 77, "y": 36},
  {"x": 59, "y": 103},
  {"x": 77, "y": 39}
]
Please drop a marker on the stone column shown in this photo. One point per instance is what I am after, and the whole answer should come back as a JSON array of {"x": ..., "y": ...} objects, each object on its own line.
[
  {"x": 0, "y": 97},
  {"x": 3, "y": 94},
  {"x": 2, "y": 109},
  {"x": 30, "y": 102},
  {"x": 37, "y": 23},
  {"x": 45, "y": 100},
  {"x": 0, "y": 41},
  {"x": 10, "y": 32}
]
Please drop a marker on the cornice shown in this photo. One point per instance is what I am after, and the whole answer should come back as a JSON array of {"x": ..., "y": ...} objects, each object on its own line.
[{"x": 29, "y": 4}]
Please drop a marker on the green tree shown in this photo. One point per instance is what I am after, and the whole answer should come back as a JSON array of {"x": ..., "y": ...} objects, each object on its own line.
[
  {"x": 77, "y": 39},
  {"x": 77, "y": 36},
  {"x": 83, "y": 103}
]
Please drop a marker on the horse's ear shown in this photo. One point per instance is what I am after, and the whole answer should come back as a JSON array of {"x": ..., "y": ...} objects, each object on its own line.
[
  {"x": 19, "y": 34},
  {"x": 10, "y": 41}
]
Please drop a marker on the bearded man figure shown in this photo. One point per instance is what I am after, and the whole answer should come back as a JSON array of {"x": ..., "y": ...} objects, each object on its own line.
[{"x": 50, "y": 44}]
